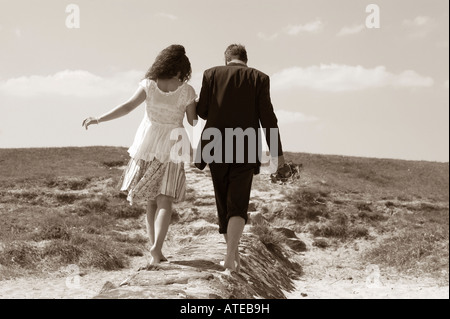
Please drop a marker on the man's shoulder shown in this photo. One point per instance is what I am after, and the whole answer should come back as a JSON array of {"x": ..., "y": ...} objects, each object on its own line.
[
  {"x": 214, "y": 69},
  {"x": 259, "y": 73},
  {"x": 224, "y": 68}
]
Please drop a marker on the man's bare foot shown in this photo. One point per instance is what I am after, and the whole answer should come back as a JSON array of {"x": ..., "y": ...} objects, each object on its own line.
[
  {"x": 236, "y": 267},
  {"x": 237, "y": 261},
  {"x": 227, "y": 272}
]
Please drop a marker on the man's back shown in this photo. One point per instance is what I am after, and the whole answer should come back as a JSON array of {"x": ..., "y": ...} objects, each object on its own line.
[
  {"x": 236, "y": 96},
  {"x": 230, "y": 99}
]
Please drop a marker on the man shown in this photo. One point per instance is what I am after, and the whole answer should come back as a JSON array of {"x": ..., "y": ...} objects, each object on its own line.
[{"x": 234, "y": 100}]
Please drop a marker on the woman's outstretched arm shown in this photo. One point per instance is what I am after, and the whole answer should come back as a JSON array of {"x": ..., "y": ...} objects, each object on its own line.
[{"x": 119, "y": 111}]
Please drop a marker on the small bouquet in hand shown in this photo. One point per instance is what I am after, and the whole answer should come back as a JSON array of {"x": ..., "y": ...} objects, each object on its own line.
[{"x": 287, "y": 173}]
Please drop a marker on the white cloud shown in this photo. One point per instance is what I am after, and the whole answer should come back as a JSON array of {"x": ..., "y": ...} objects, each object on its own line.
[
  {"x": 311, "y": 27},
  {"x": 351, "y": 30},
  {"x": 18, "y": 32},
  {"x": 266, "y": 37},
  {"x": 420, "y": 26},
  {"x": 293, "y": 30},
  {"x": 417, "y": 21},
  {"x": 74, "y": 83},
  {"x": 166, "y": 16},
  {"x": 342, "y": 78},
  {"x": 288, "y": 117}
]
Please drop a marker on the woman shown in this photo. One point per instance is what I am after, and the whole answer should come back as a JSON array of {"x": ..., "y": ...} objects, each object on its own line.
[{"x": 155, "y": 172}]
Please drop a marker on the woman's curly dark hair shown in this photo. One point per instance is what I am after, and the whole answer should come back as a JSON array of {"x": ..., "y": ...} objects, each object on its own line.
[{"x": 169, "y": 62}]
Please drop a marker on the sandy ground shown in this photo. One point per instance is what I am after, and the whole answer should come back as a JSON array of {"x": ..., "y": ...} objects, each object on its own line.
[
  {"x": 327, "y": 275},
  {"x": 64, "y": 284},
  {"x": 339, "y": 275},
  {"x": 326, "y": 289}
]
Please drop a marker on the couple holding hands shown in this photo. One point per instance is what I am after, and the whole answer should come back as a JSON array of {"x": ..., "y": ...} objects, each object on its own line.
[{"x": 233, "y": 96}]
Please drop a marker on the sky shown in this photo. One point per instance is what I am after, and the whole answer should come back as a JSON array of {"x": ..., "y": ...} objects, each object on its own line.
[{"x": 342, "y": 81}]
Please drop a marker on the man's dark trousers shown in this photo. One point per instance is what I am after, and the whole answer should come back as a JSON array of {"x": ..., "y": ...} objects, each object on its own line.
[{"x": 232, "y": 187}]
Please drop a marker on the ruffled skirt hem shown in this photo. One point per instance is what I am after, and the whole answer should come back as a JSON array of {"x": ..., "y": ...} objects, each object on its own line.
[{"x": 149, "y": 179}]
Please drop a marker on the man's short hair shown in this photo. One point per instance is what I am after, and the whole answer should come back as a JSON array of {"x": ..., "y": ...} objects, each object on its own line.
[{"x": 236, "y": 51}]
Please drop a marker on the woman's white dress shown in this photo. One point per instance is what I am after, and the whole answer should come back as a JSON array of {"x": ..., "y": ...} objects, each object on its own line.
[{"x": 161, "y": 146}]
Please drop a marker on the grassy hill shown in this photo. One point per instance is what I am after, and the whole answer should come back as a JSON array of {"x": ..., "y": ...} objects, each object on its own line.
[
  {"x": 379, "y": 177},
  {"x": 60, "y": 206}
]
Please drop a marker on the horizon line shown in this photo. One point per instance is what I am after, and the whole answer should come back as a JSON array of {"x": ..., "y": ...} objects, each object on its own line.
[{"x": 194, "y": 150}]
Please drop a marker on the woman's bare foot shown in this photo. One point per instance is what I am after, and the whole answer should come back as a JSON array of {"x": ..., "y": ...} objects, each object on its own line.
[
  {"x": 157, "y": 256},
  {"x": 163, "y": 258}
]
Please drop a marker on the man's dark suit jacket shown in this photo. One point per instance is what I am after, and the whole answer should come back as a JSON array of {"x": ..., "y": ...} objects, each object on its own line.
[{"x": 237, "y": 96}]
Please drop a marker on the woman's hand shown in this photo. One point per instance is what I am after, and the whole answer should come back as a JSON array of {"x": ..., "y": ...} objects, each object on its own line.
[
  {"x": 119, "y": 111},
  {"x": 89, "y": 121},
  {"x": 191, "y": 114}
]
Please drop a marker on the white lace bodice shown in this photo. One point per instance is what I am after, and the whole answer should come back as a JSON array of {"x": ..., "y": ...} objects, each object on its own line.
[{"x": 164, "y": 112}]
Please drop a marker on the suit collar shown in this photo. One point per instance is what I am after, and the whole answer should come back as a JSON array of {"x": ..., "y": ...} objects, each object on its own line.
[{"x": 237, "y": 64}]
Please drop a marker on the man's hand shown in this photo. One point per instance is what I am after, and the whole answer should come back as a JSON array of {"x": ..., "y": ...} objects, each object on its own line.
[
  {"x": 280, "y": 162},
  {"x": 275, "y": 164},
  {"x": 283, "y": 170}
]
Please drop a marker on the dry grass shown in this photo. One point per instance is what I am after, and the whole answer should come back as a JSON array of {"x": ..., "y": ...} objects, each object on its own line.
[
  {"x": 399, "y": 207},
  {"x": 60, "y": 207},
  {"x": 417, "y": 243},
  {"x": 37, "y": 164},
  {"x": 268, "y": 236},
  {"x": 377, "y": 178}
]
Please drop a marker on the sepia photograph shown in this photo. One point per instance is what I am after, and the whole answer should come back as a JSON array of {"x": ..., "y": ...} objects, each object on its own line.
[{"x": 224, "y": 157}]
